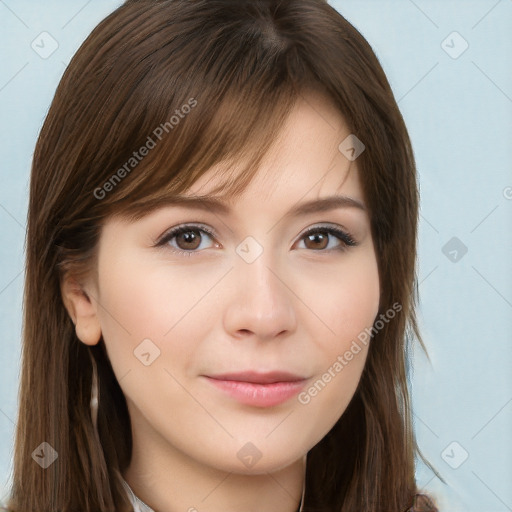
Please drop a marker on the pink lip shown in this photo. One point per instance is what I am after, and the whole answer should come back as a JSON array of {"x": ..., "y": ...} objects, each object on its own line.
[{"x": 259, "y": 389}]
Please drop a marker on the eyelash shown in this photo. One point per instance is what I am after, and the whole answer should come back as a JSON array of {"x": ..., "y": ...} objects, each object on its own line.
[{"x": 345, "y": 238}]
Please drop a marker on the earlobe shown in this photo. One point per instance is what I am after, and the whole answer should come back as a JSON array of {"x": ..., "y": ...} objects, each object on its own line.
[
  {"x": 82, "y": 310},
  {"x": 88, "y": 332}
]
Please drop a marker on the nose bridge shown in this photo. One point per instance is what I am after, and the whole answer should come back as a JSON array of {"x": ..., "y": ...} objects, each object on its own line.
[{"x": 260, "y": 301}]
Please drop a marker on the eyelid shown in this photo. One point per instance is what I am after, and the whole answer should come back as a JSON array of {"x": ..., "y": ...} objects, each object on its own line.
[{"x": 169, "y": 233}]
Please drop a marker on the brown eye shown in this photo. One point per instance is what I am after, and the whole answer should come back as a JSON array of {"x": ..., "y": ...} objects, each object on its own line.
[
  {"x": 327, "y": 238},
  {"x": 189, "y": 240},
  {"x": 317, "y": 240}
]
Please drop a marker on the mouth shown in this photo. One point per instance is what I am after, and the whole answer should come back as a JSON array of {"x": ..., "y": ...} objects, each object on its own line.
[{"x": 258, "y": 389}]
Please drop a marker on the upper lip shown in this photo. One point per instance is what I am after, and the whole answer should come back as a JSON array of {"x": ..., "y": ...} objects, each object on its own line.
[{"x": 259, "y": 377}]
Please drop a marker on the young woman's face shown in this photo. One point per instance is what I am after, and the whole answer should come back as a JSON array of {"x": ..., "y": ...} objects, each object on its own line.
[{"x": 206, "y": 329}]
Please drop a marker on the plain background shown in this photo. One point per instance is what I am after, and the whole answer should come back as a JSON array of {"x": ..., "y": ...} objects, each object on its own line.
[{"x": 450, "y": 68}]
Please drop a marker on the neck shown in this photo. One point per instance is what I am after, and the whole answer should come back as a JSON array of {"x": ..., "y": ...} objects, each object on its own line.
[{"x": 167, "y": 480}]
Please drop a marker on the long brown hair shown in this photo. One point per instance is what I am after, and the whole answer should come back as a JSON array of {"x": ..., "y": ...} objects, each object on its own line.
[{"x": 198, "y": 83}]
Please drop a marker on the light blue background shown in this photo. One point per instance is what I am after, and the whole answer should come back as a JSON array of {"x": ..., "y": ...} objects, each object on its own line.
[{"x": 459, "y": 113}]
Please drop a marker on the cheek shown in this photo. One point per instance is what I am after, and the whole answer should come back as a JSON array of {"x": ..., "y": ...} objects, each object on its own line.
[
  {"x": 356, "y": 305},
  {"x": 347, "y": 305},
  {"x": 345, "y": 299},
  {"x": 140, "y": 302},
  {"x": 132, "y": 308},
  {"x": 149, "y": 336}
]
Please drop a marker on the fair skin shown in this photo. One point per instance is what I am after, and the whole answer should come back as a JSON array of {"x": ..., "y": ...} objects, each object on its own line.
[{"x": 296, "y": 307}]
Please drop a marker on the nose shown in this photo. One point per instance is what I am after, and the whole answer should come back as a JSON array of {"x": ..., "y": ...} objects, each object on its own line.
[{"x": 260, "y": 303}]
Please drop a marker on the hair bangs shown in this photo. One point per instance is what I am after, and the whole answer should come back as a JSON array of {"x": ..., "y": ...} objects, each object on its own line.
[{"x": 186, "y": 114}]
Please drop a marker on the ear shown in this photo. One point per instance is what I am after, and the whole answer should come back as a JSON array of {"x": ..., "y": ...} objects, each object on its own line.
[{"x": 82, "y": 311}]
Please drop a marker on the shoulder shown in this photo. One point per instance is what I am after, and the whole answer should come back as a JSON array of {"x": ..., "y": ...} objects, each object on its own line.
[{"x": 422, "y": 503}]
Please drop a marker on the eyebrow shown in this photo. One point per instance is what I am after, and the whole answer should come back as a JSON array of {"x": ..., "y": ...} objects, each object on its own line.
[{"x": 323, "y": 204}]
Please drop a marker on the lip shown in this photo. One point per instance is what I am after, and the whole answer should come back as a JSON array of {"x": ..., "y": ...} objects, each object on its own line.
[
  {"x": 259, "y": 389},
  {"x": 259, "y": 377}
]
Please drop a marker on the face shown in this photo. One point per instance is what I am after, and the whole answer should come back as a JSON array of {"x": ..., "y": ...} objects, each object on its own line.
[{"x": 233, "y": 339}]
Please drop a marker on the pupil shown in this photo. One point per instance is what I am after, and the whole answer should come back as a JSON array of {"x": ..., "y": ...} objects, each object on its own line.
[
  {"x": 317, "y": 238},
  {"x": 189, "y": 237}
]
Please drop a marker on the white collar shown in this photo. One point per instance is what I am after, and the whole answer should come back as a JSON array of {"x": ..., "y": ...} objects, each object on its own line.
[{"x": 138, "y": 504}]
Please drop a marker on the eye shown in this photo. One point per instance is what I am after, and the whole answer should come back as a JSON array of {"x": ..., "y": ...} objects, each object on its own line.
[
  {"x": 186, "y": 239},
  {"x": 190, "y": 239},
  {"x": 319, "y": 238}
]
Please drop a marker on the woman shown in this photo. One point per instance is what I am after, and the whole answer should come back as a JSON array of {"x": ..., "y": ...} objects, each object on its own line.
[{"x": 220, "y": 270}]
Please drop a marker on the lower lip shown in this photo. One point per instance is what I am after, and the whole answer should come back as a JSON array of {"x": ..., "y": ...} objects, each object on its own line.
[{"x": 259, "y": 395}]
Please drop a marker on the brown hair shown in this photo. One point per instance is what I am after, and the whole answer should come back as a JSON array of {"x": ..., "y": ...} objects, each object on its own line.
[{"x": 238, "y": 67}]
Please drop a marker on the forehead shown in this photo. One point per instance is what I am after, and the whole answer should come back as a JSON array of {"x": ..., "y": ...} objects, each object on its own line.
[{"x": 304, "y": 161}]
